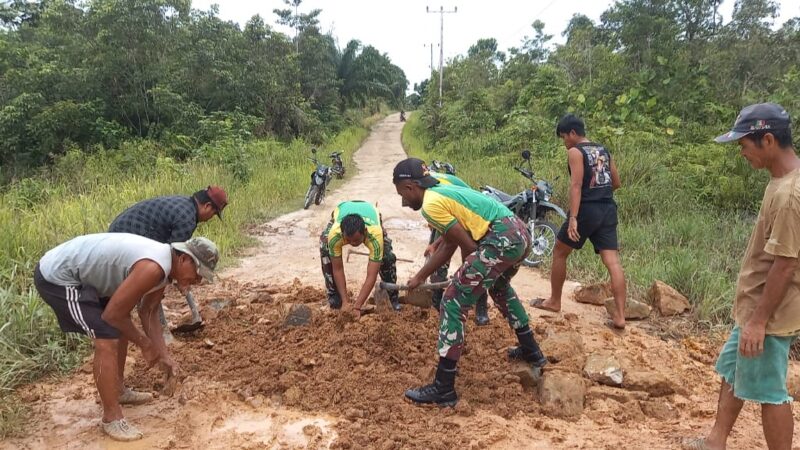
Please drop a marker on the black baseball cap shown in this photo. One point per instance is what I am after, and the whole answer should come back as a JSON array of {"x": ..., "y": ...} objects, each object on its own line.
[
  {"x": 413, "y": 169},
  {"x": 758, "y": 117}
]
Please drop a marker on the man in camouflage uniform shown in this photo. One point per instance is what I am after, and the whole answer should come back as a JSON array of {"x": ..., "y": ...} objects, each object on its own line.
[
  {"x": 481, "y": 306},
  {"x": 493, "y": 244},
  {"x": 354, "y": 223}
]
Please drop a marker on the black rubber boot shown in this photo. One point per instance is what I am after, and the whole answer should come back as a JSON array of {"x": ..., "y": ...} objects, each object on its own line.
[
  {"x": 334, "y": 301},
  {"x": 436, "y": 298},
  {"x": 394, "y": 298},
  {"x": 442, "y": 391},
  {"x": 528, "y": 349},
  {"x": 482, "y": 311}
]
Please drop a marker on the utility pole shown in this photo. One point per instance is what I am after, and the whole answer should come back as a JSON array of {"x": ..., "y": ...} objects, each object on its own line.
[{"x": 441, "y": 13}]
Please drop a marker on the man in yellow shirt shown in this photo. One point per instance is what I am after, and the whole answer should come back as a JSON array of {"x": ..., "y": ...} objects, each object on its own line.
[
  {"x": 754, "y": 361},
  {"x": 481, "y": 305},
  {"x": 354, "y": 223},
  {"x": 493, "y": 243}
]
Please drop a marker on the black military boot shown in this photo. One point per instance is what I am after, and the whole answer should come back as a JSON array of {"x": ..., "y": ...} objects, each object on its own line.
[
  {"x": 482, "y": 311},
  {"x": 334, "y": 301},
  {"x": 436, "y": 298},
  {"x": 442, "y": 391},
  {"x": 394, "y": 298},
  {"x": 528, "y": 349}
]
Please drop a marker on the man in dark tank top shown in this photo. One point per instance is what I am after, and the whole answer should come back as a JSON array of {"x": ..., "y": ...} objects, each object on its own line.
[{"x": 592, "y": 215}]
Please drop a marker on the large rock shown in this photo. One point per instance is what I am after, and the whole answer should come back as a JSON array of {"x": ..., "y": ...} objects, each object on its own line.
[
  {"x": 669, "y": 301},
  {"x": 793, "y": 380},
  {"x": 603, "y": 369},
  {"x": 296, "y": 314},
  {"x": 562, "y": 394},
  {"x": 654, "y": 383},
  {"x": 594, "y": 294},
  {"x": 633, "y": 310},
  {"x": 562, "y": 346}
]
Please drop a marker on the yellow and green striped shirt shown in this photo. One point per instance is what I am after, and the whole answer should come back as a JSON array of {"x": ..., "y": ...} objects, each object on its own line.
[
  {"x": 447, "y": 179},
  {"x": 443, "y": 206},
  {"x": 372, "y": 219}
]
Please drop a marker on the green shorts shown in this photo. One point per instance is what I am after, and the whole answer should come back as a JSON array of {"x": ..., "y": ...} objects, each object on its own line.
[{"x": 761, "y": 379}]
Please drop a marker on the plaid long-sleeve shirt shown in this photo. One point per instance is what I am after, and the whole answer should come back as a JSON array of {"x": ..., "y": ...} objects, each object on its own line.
[{"x": 163, "y": 219}]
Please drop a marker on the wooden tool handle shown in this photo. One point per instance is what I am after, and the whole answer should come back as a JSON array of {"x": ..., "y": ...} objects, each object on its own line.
[{"x": 403, "y": 287}]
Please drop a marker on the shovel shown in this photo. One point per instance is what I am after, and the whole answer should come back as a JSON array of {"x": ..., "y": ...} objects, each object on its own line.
[
  {"x": 197, "y": 321},
  {"x": 420, "y": 296}
]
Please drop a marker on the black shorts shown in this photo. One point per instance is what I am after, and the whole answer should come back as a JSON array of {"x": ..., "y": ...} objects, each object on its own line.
[
  {"x": 596, "y": 222},
  {"x": 78, "y": 308}
]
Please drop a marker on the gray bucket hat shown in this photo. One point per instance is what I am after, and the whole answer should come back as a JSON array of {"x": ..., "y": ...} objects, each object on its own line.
[{"x": 204, "y": 253}]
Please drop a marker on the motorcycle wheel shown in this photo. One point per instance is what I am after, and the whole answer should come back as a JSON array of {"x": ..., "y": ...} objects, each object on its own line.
[
  {"x": 543, "y": 240},
  {"x": 320, "y": 197},
  {"x": 310, "y": 196}
]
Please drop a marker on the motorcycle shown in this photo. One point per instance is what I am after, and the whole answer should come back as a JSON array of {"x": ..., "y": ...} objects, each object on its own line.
[
  {"x": 320, "y": 178},
  {"x": 402, "y": 116},
  {"x": 337, "y": 166},
  {"x": 533, "y": 206},
  {"x": 442, "y": 167}
]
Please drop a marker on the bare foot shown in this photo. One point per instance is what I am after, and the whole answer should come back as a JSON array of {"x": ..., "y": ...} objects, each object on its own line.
[{"x": 546, "y": 304}]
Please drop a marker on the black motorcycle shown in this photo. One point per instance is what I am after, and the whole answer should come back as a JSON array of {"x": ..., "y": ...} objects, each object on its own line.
[
  {"x": 442, "y": 167},
  {"x": 532, "y": 206},
  {"x": 337, "y": 166},
  {"x": 320, "y": 178}
]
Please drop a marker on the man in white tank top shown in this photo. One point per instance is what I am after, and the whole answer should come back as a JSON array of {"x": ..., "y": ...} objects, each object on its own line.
[{"x": 93, "y": 282}]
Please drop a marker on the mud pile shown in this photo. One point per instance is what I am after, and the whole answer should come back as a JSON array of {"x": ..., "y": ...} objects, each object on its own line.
[{"x": 357, "y": 370}]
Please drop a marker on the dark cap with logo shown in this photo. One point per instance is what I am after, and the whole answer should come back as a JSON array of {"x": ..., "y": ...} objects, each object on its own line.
[
  {"x": 759, "y": 117},
  {"x": 415, "y": 170}
]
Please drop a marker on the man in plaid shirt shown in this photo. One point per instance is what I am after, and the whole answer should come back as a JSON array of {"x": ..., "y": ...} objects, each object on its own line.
[{"x": 171, "y": 219}]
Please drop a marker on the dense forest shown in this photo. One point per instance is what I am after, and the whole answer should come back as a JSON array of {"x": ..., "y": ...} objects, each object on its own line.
[
  {"x": 670, "y": 67},
  {"x": 91, "y": 75}
]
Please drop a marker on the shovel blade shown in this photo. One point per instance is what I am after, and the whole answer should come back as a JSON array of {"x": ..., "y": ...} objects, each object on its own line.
[
  {"x": 381, "y": 297},
  {"x": 418, "y": 297},
  {"x": 188, "y": 327}
]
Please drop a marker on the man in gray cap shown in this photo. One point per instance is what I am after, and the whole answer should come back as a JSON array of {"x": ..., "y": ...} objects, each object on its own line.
[
  {"x": 93, "y": 282},
  {"x": 754, "y": 361}
]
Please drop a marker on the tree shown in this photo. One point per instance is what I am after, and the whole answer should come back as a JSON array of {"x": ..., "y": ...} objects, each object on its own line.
[{"x": 296, "y": 20}]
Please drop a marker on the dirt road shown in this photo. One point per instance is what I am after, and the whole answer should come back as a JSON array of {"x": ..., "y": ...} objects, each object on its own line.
[{"x": 254, "y": 383}]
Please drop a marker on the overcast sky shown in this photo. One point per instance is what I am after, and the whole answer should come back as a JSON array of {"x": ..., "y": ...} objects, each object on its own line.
[{"x": 403, "y": 30}]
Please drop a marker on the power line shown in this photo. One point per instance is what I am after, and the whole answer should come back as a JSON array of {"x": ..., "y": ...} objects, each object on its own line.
[{"x": 516, "y": 32}]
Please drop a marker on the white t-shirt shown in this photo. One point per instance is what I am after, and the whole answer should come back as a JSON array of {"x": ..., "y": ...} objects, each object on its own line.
[{"x": 102, "y": 261}]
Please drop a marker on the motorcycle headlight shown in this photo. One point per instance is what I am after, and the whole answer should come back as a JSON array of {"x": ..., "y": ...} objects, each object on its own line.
[{"x": 546, "y": 197}]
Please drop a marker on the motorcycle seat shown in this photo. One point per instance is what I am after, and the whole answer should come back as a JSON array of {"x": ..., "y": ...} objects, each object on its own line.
[{"x": 502, "y": 196}]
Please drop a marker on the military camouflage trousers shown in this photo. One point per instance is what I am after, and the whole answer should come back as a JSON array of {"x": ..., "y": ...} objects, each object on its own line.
[
  {"x": 490, "y": 267},
  {"x": 441, "y": 275},
  {"x": 388, "y": 272}
]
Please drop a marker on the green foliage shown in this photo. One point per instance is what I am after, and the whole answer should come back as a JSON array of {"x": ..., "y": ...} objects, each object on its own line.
[{"x": 93, "y": 75}]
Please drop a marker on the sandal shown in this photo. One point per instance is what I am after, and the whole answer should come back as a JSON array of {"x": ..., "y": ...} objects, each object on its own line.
[
  {"x": 538, "y": 303},
  {"x": 694, "y": 444}
]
